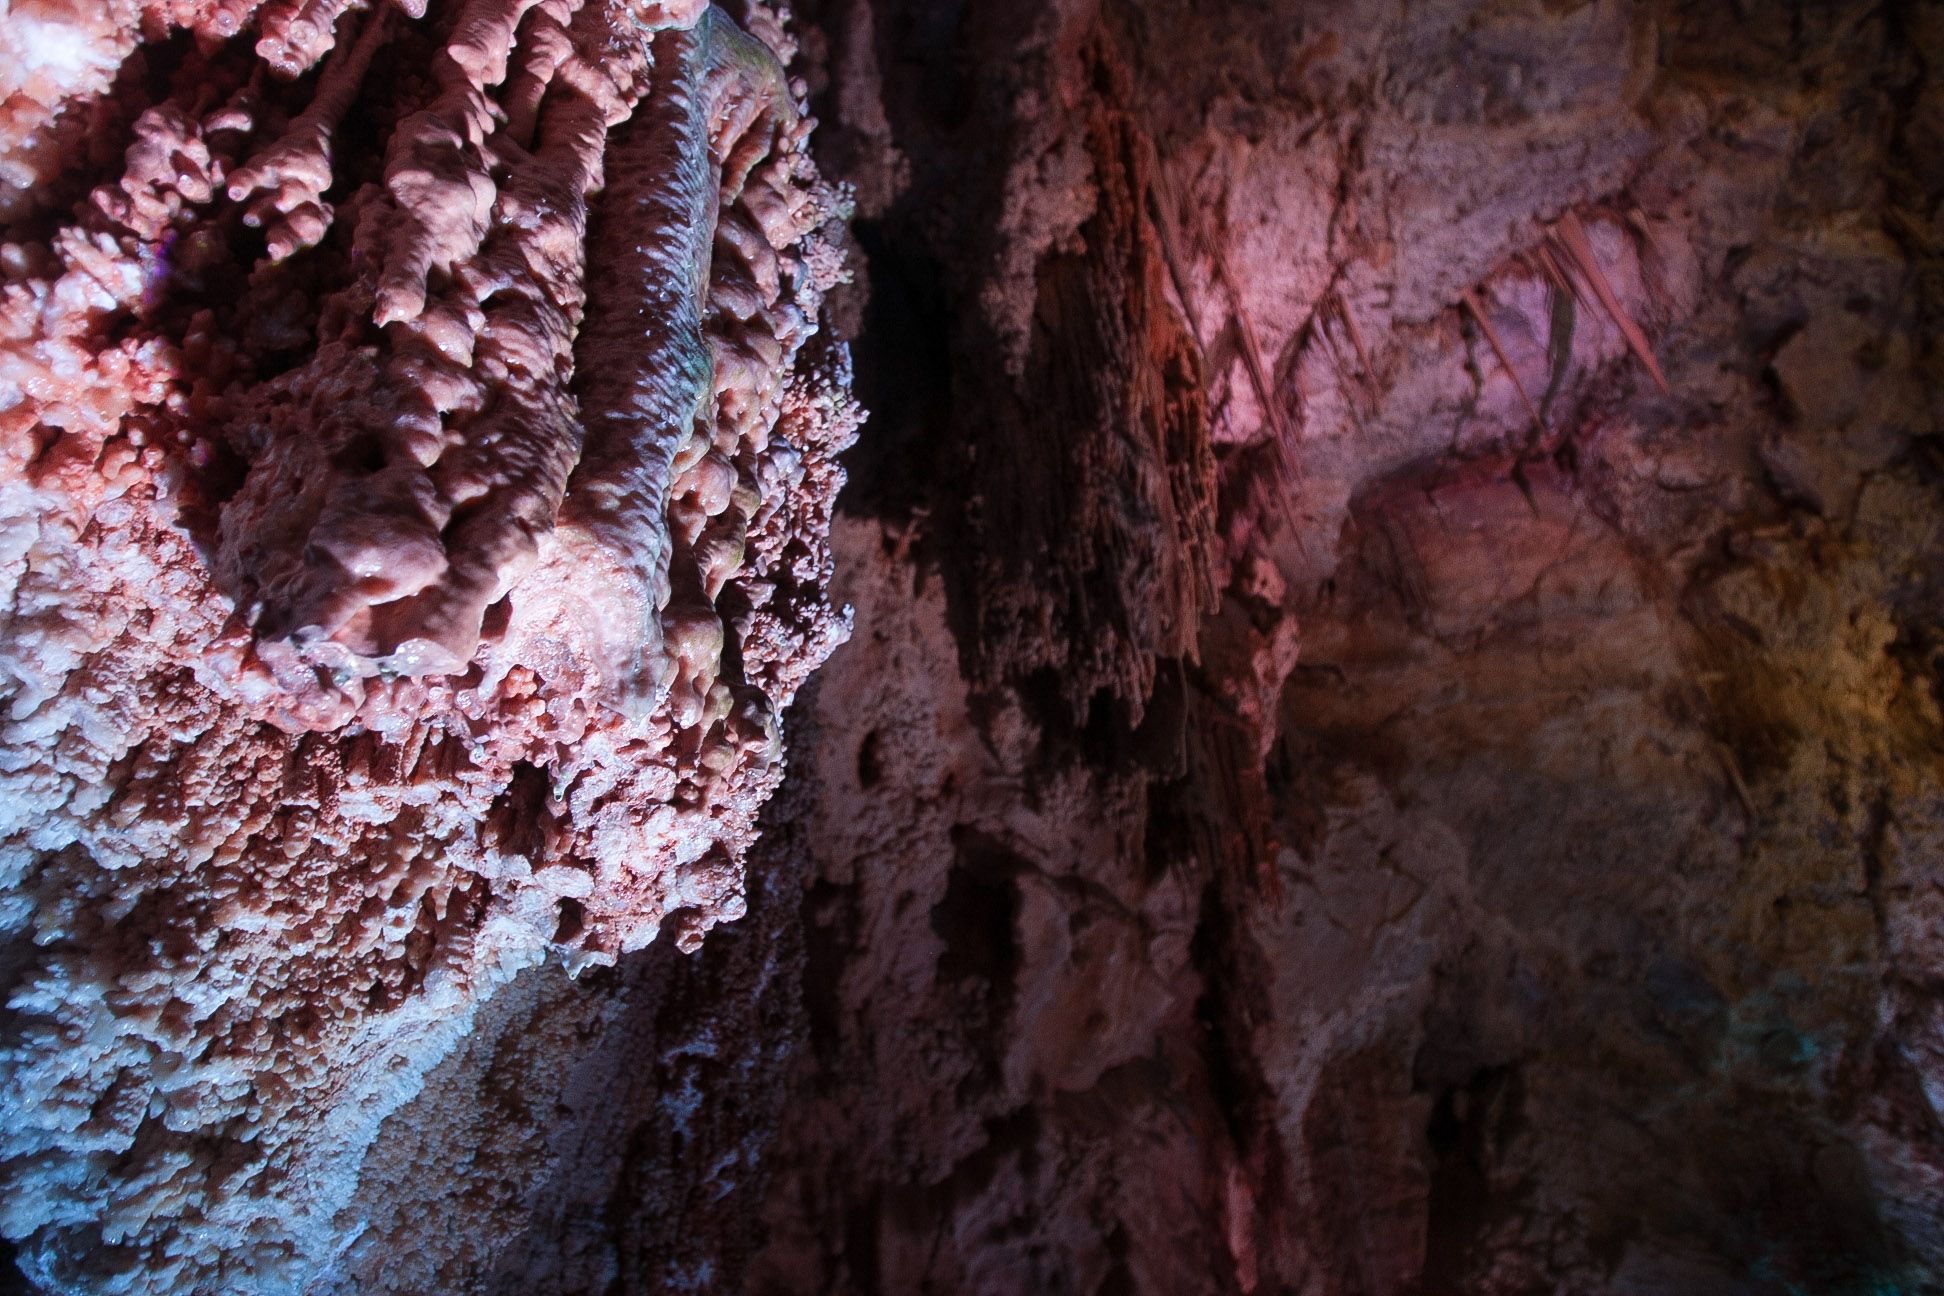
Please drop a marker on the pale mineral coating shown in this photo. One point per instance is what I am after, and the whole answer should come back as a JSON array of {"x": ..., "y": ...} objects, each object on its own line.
[
  {"x": 1523, "y": 875},
  {"x": 416, "y": 459}
]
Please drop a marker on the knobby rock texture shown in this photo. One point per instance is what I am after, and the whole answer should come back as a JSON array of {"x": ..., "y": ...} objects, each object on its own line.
[
  {"x": 416, "y": 462},
  {"x": 1392, "y": 740}
]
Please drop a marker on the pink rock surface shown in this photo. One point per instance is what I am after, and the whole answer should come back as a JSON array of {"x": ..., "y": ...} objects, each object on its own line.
[
  {"x": 1392, "y": 743},
  {"x": 416, "y": 459}
]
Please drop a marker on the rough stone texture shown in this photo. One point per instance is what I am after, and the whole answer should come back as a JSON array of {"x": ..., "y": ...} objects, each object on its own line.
[
  {"x": 1343, "y": 782},
  {"x": 1525, "y": 877},
  {"x": 415, "y": 472}
]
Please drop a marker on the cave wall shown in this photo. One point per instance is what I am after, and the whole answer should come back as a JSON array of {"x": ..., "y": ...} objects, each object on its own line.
[
  {"x": 1391, "y": 740},
  {"x": 416, "y": 461},
  {"x": 1392, "y": 744}
]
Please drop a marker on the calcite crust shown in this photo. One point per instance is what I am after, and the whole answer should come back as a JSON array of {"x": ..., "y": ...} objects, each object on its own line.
[{"x": 416, "y": 463}]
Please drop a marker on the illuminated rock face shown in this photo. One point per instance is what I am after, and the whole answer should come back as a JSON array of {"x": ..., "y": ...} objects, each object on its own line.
[
  {"x": 416, "y": 460},
  {"x": 1392, "y": 745}
]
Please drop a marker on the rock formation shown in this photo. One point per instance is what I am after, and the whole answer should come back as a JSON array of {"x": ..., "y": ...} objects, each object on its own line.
[
  {"x": 417, "y": 474},
  {"x": 1518, "y": 870},
  {"x": 1392, "y": 741}
]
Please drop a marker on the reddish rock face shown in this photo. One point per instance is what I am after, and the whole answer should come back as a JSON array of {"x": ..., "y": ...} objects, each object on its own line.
[
  {"x": 415, "y": 468},
  {"x": 1514, "y": 871},
  {"x": 1392, "y": 737}
]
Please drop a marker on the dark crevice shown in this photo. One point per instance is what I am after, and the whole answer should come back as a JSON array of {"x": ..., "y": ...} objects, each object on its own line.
[{"x": 903, "y": 376}]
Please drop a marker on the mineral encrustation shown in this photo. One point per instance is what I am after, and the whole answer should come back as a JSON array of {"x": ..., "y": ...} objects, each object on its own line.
[
  {"x": 1394, "y": 735},
  {"x": 416, "y": 462}
]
